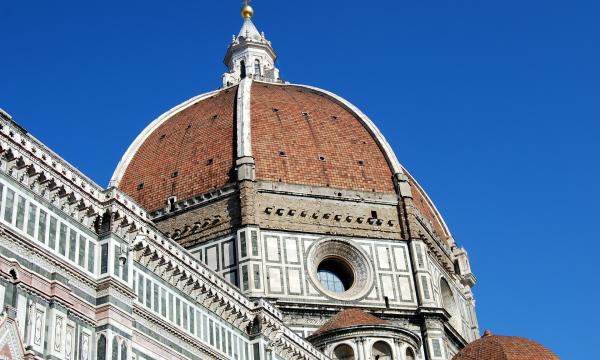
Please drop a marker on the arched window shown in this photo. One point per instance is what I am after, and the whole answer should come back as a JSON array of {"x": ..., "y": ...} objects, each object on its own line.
[
  {"x": 381, "y": 351},
  {"x": 410, "y": 354},
  {"x": 115, "y": 349},
  {"x": 242, "y": 69},
  {"x": 101, "y": 348},
  {"x": 123, "y": 351},
  {"x": 450, "y": 304},
  {"x": 343, "y": 352},
  {"x": 257, "y": 71}
]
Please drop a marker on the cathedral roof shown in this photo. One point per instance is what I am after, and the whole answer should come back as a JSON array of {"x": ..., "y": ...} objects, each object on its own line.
[
  {"x": 495, "y": 347},
  {"x": 189, "y": 152},
  {"x": 286, "y": 133},
  {"x": 301, "y": 136},
  {"x": 298, "y": 135},
  {"x": 249, "y": 31},
  {"x": 349, "y": 318}
]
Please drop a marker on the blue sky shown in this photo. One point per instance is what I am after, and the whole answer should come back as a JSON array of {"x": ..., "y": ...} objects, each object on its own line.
[{"x": 493, "y": 106}]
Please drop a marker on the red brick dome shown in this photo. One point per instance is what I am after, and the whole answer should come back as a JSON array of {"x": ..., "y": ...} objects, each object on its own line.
[
  {"x": 301, "y": 136},
  {"x": 297, "y": 135},
  {"x": 186, "y": 152},
  {"x": 494, "y": 347}
]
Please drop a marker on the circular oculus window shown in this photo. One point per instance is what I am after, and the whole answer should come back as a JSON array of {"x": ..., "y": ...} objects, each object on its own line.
[
  {"x": 339, "y": 269},
  {"x": 335, "y": 275}
]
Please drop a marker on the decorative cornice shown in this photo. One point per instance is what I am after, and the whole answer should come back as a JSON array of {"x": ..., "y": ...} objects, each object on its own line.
[
  {"x": 220, "y": 297},
  {"x": 362, "y": 331},
  {"x": 148, "y": 320}
]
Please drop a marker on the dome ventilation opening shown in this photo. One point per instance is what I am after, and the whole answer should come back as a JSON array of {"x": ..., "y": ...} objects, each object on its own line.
[
  {"x": 13, "y": 275},
  {"x": 171, "y": 202}
]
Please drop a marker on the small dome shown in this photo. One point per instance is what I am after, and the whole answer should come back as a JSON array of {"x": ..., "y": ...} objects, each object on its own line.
[
  {"x": 495, "y": 347},
  {"x": 348, "y": 318}
]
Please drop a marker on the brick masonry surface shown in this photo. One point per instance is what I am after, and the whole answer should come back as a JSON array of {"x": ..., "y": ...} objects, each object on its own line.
[
  {"x": 493, "y": 347},
  {"x": 299, "y": 136},
  {"x": 421, "y": 203},
  {"x": 302, "y": 137},
  {"x": 190, "y": 153}
]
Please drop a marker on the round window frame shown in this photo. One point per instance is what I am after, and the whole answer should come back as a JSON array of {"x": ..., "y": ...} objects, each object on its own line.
[
  {"x": 352, "y": 256},
  {"x": 346, "y": 268}
]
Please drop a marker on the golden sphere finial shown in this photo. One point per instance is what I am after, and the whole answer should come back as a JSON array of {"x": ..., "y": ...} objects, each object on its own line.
[{"x": 247, "y": 11}]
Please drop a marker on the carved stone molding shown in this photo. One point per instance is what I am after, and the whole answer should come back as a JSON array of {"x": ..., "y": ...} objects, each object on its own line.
[{"x": 351, "y": 255}]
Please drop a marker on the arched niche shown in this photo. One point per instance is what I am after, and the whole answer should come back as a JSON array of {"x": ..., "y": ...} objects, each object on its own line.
[
  {"x": 381, "y": 350},
  {"x": 343, "y": 352},
  {"x": 101, "y": 348},
  {"x": 449, "y": 303},
  {"x": 410, "y": 354}
]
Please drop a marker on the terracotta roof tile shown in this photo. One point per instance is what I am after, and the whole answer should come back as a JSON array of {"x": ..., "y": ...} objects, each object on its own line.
[
  {"x": 426, "y": 209},
  {"x": 190, "y": 153},
  {"x": 495, "y": 347},
  {"x": 348, "y": 318},
  {"x": 301, "y": 136}
]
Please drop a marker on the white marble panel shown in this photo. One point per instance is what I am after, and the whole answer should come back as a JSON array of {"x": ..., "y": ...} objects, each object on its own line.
[
  {"x": 387, "y": 284},
  {"x": 228, "y": 254},
  {"x": 400, "y": 258},
  {"x": 212, "y": 258},
  {"x": 294, "y": 281},
  {"x": 383, "y": 257},
  {"x": 291, "y": 251},
  {"x": 273, "y": 252},
  {"x": 275, "y": 283},
  {"x": 405, "y": 288}
]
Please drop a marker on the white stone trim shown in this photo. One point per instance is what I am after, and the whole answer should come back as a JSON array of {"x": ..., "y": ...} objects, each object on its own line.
[
  {"x": 379, "y": 138},
  {"x": 244, "y": 136},
  {"x": 430, "y": 203},
  {"x": 397, "y": 168},
  {"x": 139, "y": 140}
]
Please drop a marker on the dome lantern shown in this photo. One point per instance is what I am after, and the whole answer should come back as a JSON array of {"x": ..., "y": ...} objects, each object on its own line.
[{"x": 249, "y": 54}]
